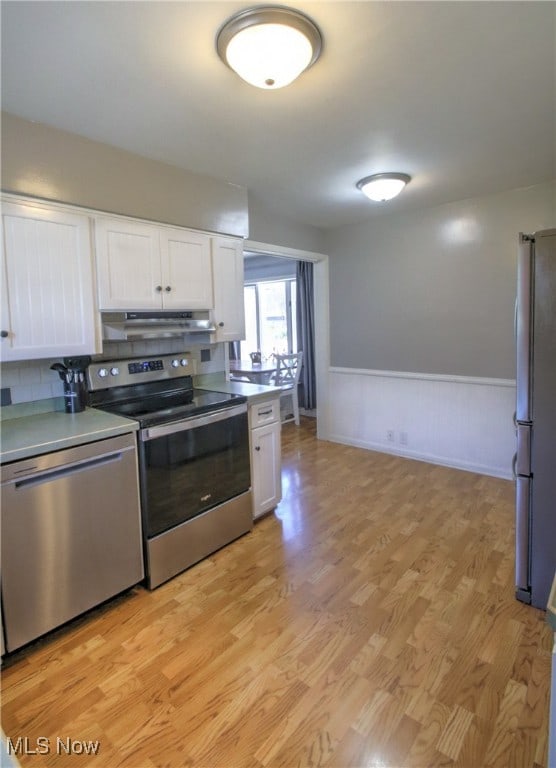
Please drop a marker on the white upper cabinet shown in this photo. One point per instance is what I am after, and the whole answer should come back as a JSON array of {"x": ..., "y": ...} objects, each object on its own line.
[
  {"x": 186, "y": 269},
  {"x": 227, "y": 267},
  {"x": 48, "y": 296},
  {"x": 128, "y": 265},
  {"x": 144, "y": 266}
]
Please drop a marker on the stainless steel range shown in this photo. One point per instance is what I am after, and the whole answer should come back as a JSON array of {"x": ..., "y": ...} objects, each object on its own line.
[{"x": 193, "y": 456}]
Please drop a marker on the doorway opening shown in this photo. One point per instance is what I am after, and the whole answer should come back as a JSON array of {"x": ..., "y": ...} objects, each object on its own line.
[{"x": 321, "y": 305}]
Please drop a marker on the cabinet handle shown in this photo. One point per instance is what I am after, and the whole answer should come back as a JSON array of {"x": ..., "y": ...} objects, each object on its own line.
[
  {"x": 257, "y": 447},
  {"x": 4, "y": 334},
  {"x": 265, "y": 413},
  {"x": 168, "y": 288},
  {"x": 158, "y": 288},
  {"x": 221, "y": 325}
]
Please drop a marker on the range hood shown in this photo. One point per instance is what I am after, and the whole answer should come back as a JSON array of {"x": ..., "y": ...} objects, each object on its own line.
[{"x": 133, "y": 326}]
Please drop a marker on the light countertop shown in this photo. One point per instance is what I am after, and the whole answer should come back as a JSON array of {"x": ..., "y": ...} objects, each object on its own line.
[
  {"x": 253, "y": 392},
  {"x": 25, "y": 433},
  {"x": 33, "y": 435}
]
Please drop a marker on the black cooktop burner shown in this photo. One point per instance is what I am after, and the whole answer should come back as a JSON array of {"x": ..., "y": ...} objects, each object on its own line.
[
  {"x": 183, "y": 405},
  {"x": 153, "y": 390}
]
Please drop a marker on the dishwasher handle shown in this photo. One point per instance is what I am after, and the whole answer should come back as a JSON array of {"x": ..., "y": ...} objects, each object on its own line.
[
  {"x": 57, "y": 473},
  {"x": 25, "y": 469}
]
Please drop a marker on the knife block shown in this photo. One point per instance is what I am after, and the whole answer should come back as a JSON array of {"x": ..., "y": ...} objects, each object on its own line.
[{"x": 75, "y": 396}]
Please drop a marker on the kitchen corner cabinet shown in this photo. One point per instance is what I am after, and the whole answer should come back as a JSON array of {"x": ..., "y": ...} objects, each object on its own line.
[
  {"x": 227, "y": 268},
  {"x": 48, "y": 296},
  {"x": 145, "y": 266},
  {"x": 266, "y": 455}
]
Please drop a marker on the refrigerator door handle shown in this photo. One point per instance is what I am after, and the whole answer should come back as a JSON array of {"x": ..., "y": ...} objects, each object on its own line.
[
  {"x": 522, "y": 564},
  {"x": 524, "y": 328},
  {"x": 523, "y": 462}
]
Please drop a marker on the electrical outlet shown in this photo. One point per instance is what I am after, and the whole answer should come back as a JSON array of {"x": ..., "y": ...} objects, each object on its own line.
[
  {"x": 390, "y": 435},
  {"x": 403, "y": 438}
]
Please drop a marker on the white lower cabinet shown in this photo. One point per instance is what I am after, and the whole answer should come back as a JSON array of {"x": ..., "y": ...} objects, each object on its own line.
[{"x": 266, "y": 455}]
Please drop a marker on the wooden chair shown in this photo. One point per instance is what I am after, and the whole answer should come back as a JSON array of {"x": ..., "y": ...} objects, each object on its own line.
[{"x": 288, "y": 370}]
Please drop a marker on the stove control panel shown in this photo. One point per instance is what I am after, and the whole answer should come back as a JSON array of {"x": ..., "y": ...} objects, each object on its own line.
[
  {"x": 103, "y": 372},
  {"x": 112, "y": 373},
  {"x": 143, "y": 366}
]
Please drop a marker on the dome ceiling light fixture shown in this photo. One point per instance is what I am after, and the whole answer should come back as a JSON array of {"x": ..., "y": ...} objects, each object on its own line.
[
  {"x": 269, "y": 46},
  {"x": 383, "y": 186}
]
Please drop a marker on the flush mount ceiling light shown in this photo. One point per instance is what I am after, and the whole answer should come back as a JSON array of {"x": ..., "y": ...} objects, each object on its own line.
[
  {"x": 270, "y": 45},
  {"x": 383, "y": 186}
]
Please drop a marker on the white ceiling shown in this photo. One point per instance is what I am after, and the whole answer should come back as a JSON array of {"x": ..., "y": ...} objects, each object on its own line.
[{"x": 461, "y": 95}]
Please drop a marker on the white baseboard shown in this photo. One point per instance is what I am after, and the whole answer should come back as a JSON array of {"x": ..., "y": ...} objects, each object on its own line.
[{"x": 454, "y": 421}]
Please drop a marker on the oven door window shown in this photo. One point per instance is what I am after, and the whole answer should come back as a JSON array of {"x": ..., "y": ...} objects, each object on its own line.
[{"x": 188, "y": 472}]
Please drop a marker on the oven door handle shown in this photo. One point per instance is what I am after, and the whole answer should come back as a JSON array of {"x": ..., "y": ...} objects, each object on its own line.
[{"x": 193, "y": 422}]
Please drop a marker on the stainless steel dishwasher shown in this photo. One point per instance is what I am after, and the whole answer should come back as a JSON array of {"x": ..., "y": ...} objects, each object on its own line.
[{"x": 71, "y": 534}]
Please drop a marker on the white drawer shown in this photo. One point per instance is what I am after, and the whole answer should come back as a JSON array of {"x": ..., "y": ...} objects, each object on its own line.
[{"x": 264, "y": 413}]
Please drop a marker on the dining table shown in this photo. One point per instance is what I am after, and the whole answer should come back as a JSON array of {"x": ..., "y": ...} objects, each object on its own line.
[{"x": 257, "y": 373}]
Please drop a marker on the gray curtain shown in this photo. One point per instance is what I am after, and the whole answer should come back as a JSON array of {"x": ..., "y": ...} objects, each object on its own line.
[{"x": 306, "y": 333}]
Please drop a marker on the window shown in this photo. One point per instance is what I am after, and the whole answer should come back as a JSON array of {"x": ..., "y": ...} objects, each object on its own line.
[{"x": 270, "y": 310}]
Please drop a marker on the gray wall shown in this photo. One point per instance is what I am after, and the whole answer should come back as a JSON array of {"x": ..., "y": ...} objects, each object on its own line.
[
  {"x": 430, "y": 291},
  {"x": 48, "y": 163},
  {"x": 55, "y": 165},
  {"x": 433, "y": 291},
  {"x": 268, "y": 226}
]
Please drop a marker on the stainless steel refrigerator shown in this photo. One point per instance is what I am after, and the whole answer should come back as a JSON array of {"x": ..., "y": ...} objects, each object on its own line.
[{"x": 535, "y": 461}]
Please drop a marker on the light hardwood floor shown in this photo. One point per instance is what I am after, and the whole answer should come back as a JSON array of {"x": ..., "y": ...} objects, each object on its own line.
[{"x": 370, "y": 621}]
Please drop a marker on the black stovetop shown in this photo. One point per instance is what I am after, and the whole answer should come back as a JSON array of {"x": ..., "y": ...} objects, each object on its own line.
[
  {"x": 161, "y": 410},
  {"x": 159, "y": 402}
]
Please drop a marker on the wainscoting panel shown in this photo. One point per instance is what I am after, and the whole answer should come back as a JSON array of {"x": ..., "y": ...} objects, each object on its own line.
[{"x": 455, "y": 421}]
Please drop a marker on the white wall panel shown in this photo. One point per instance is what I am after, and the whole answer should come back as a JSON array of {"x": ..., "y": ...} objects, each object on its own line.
[{"x": 455, "y": 421}]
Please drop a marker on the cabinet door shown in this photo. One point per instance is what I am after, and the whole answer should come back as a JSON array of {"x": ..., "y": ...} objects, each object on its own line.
[
  {"x": 266, "y": 468},
  {"x": 227, "y": 268},
  {"x": 48, "y": 306},
  {"x": 186, "y": 270},
  {"x": 128, "y": 264}
]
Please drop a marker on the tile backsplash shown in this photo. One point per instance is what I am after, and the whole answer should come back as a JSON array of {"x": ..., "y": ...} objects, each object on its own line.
[{"x": 31, "y": 380}]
